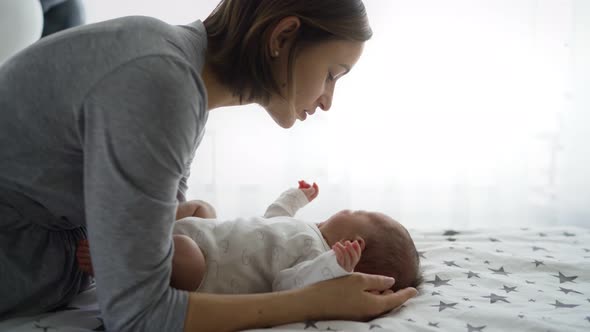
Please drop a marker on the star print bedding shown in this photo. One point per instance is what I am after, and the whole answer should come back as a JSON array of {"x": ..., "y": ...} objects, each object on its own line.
[{"x": 527, "y": 279}]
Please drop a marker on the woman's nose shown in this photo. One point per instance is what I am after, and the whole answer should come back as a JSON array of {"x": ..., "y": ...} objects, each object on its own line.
[{"x": 325, "y": 102}]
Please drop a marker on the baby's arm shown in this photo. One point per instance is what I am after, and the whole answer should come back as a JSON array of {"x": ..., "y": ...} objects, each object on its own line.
[{"x": 292, "y": 200}]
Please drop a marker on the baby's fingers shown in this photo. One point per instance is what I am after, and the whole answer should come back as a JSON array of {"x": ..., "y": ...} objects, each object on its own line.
[
  {"x": 339, "y": 254},
  {"x": 357, "y": 250}
]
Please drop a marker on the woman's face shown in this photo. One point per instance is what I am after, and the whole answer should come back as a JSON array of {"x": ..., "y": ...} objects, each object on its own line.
[{"x": 316, "y": 70}]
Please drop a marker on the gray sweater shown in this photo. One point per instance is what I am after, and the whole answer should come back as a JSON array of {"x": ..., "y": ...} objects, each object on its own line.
[{"x": 98, "y": 125}]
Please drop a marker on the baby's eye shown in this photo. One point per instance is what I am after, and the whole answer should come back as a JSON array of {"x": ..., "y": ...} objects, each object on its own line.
[{"x": 330, "y": 77}]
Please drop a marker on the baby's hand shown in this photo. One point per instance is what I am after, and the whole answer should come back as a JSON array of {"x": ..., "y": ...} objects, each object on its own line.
[
  {"x": 311, "y": 192},
  {"x": 347, "y": 254}
]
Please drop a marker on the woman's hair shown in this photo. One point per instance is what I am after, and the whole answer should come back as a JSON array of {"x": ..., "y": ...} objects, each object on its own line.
[
  {"x": 238, "y": 34},
  {"x": 390, "y": 251}
]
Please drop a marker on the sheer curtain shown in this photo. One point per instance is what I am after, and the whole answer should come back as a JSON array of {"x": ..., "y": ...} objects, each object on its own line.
[{"x": 460, "y": 114}]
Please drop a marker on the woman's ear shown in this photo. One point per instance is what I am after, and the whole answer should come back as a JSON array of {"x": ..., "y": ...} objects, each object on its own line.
[{"x": 283, "y": 34}]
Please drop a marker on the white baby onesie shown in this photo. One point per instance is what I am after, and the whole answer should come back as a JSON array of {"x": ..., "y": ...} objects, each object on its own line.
[{"x": 258, "y": 255}]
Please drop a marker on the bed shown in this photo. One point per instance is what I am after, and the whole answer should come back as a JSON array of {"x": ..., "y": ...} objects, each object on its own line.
[{"x": 522, "y": 279}]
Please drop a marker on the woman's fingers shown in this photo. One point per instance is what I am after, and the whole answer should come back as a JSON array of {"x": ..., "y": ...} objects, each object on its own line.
[
  {"x": 393, "y": 300},
  {"x": 376, "y": 282}
]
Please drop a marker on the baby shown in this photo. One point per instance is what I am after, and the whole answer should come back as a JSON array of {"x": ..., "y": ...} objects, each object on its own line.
[{"x": 279, "y": 252}]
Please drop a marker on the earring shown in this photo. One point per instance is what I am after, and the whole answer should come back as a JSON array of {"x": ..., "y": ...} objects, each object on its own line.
[{"x": 275, "y": 53}]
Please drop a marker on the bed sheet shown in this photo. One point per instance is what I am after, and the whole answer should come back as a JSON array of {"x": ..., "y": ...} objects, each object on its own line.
[{"x": 525, "y": 279}]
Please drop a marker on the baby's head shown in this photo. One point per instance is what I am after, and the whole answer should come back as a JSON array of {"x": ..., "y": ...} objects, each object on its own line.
[{"x": 387, "y": 247}]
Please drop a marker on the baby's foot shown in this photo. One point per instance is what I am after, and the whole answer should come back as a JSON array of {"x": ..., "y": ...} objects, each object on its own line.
[{"x": 83, "y": 257}]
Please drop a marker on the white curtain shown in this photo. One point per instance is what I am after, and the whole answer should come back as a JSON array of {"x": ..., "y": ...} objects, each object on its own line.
[{"x": 461, "y": 113}]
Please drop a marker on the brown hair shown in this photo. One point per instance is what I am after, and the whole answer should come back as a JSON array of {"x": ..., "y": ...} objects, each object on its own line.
[
  {"x": 238, "y": 33},
  {"x": 391, "y": 252}
]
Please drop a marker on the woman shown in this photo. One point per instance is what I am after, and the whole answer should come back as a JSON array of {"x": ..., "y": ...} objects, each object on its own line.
[{"x": 98, "y": 126}]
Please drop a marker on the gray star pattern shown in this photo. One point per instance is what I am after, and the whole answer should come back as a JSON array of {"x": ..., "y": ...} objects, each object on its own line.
[
  {"x": 471, "y": 274},
  {"x": 495, "y": 298},
  {"x": 474, "y": 329},
  {"x": 563, "y": 278},
  {"x": 530, "y": 282},
  {"x": 568, "y": 234},
  {"x": 558, "y": 304},
  {"x": 494, "y": 240},
  {"x": 310, "y": 323},
  {"x": 451, "y": 263},
  {"x": 44, "y": 328},
  {"x": 500, "y": 271},
  {"x": 509, "y": 289},
  {"x": 442, "y": 306},
  {"x": 450, "y": 233},
  {"x": 567, "y": 290},
  {"x": 437, "y": 282},
  {"x": 433, "y": 324},
  {"x": 588, "y": 319},
  {"x": 374, "y": 326},
  {"x": 421, "y": 254},
  {"x": 535, "y": 248},
  {"x": 537, "y": 263}
]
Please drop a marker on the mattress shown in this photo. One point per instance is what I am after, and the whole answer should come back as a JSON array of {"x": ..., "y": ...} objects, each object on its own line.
[{"x": 521, "y": 279}]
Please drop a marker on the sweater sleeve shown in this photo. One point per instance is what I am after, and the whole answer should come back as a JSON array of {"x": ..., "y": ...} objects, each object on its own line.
[
  {"x": 139, "y": 125},
  {"x": 287, "y": 204},
  {"x": 323, "y": 267}
]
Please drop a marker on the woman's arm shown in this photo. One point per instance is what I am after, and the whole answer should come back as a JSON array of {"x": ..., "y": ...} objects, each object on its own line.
[
  {"x": 138, "y": 126},
  {"x": 343, "y": 298}
]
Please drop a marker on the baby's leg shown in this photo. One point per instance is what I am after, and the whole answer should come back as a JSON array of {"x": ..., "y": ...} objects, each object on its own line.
[
  {"x": 188, "y": 264},
  {"x": 195, "y": 208}
]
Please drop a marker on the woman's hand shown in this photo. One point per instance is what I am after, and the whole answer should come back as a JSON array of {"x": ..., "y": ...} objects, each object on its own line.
[
  {"x": 356, "y": 297},
  {"x": 346, "y": 298}
]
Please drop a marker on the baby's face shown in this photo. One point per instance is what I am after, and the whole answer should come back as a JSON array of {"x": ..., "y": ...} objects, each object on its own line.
[{"x": 347, "y": 225}]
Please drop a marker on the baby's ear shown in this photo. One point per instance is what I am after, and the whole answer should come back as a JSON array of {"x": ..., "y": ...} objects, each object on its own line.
[{"x": 361, "y": 242}]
